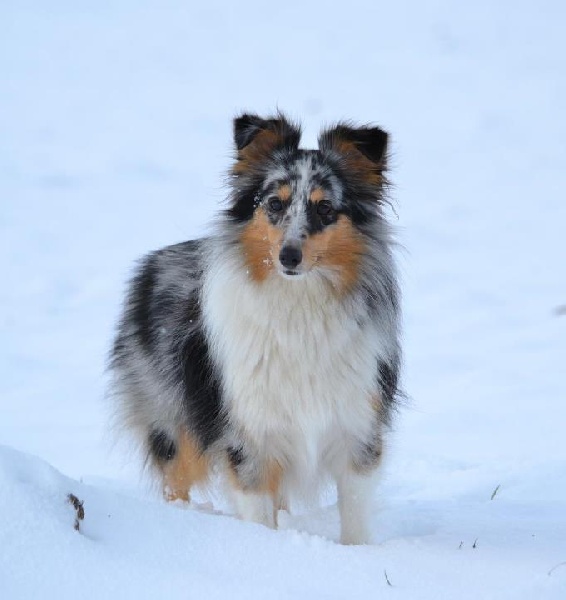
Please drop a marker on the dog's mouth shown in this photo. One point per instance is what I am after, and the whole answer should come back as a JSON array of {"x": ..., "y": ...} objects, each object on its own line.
[{"x": 291, "y": 273}]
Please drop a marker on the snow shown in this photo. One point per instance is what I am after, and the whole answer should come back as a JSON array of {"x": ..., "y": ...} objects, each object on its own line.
[
  {"x": 425, "y": 534},
  {"x": 114, "y": 135}
]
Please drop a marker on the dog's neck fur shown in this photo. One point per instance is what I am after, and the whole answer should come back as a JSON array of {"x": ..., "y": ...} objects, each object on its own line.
[{"x": 297, "y": 364}]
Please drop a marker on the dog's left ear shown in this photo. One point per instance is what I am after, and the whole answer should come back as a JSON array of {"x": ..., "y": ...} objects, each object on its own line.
[{"x": 363, "y": 149}]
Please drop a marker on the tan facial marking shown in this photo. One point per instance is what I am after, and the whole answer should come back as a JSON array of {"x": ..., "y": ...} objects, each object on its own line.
[
  {"x": 284, "y": 192},
  {"x": 261, "y": 242},
  {"x": 317, "y": 195},
  {"x": 339, "y": 247},
  {"x": 188, "y": 467}
]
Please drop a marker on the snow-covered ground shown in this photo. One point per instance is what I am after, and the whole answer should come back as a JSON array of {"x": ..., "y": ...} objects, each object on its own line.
[{"x": 114, "y": 136}]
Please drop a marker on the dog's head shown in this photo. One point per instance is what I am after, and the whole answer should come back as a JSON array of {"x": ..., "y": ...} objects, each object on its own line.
[{"x": 306, "y": 211}]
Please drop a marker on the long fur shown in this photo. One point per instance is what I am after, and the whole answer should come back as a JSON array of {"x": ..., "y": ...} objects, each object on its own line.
[{"x": 271, "y": 348}]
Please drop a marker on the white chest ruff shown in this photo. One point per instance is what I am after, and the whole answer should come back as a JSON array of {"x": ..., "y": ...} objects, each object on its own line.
[{"x": 298, "y": 371}]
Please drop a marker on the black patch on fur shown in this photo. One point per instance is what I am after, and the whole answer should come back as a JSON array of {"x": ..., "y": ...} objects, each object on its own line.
[
  {"x": 388, "y": 376},
  {"x": 370, "y": 454},
  {"x": 202, "y": 391},
  {"x": 359, "y": 214},
  {"x": 161, "y": 446},
  {"x": 235, "y": 456},
  {"x": 317, "y": 223},
  {"x": 245, "y": 200},
  {"x": 147, "y": 303},
  {"x": 141, "y": 301}
]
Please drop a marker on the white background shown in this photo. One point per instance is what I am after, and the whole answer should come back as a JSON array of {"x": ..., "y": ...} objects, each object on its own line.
[{"x": 115, "y": 137}]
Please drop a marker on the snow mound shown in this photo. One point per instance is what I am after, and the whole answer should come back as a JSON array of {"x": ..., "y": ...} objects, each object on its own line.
[{"x": 144, "y": 548}]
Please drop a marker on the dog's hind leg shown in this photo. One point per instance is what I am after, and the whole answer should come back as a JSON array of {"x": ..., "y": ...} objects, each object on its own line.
[
  {"x": 180, "y": 463},
  {"x": 259, "y": 500}
]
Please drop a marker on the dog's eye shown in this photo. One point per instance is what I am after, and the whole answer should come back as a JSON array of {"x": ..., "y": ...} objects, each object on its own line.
[
  {"x": 275, "y": 204},
  {"x": 324, "y": 208}
]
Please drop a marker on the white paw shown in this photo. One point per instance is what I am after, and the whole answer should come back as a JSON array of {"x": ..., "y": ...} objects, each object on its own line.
[
  {"x": 355, "y": 536},
  {"x": 257, "y": 508}
]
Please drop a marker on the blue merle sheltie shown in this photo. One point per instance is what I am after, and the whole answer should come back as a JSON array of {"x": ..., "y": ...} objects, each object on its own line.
[{"x": 269, "y": 351}]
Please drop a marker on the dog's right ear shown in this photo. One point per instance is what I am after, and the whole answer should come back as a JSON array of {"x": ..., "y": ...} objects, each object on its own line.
[{"x": 257, "y": 138}]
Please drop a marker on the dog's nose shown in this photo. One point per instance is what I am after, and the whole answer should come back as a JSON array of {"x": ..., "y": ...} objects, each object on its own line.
[{"x": 290, "y": 256}]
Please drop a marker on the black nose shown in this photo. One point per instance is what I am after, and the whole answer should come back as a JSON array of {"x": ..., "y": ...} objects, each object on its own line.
[{"x": 290, "y": 256}]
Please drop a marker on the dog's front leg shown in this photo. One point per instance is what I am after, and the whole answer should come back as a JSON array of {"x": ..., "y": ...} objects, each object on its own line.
[
  {"x": 355, "y": 495},
  {"x": 255, "y": 506}
]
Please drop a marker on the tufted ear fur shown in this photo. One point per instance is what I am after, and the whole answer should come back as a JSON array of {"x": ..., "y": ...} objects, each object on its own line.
[
  {"x": 256, "y": 138},
  {"x": 363, "y": 149}
]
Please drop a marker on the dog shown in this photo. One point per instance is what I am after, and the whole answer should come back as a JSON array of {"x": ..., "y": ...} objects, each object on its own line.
[{"x": 269, "y": 351}]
